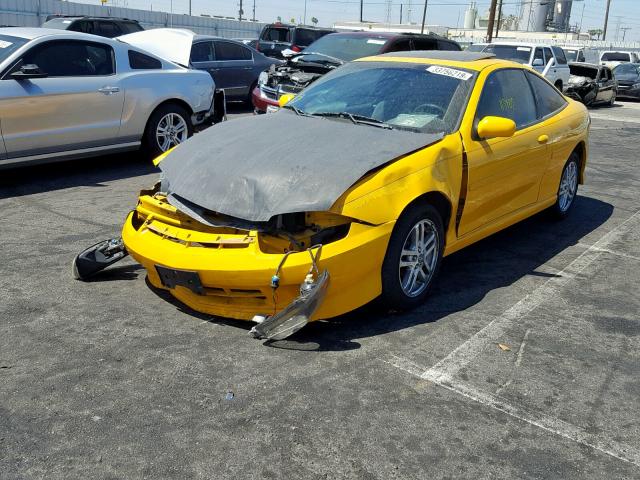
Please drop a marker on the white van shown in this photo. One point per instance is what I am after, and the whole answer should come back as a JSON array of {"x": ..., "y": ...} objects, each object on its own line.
[{"x": 549, "y": 60}]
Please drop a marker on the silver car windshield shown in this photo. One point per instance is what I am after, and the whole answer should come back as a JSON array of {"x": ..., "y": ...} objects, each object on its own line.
[
  {"x": 8, "y": 45},
  {"x": 514, "y": 53},
  {"x": 403, "y": 96}
]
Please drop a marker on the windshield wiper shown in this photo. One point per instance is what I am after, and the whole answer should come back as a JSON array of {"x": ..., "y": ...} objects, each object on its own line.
[
  {"x": 298, "y": 111},
  {"x": 355, "y": 118},
  {"x": 333, "y": 59}
]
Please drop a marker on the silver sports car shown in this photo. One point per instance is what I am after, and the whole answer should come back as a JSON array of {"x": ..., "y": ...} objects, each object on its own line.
[{"x": 69, "y": 94}]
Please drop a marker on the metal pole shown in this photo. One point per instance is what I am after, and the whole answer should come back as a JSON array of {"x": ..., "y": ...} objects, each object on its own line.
[
  {"x": 581, "y": 18},
  {"x": 361, "y": 9},
  {"x": 492, "y": 19},
  {"x": 189, "y": 7},
  {"x": 171, "y": 17},
  {"x": 624, "y": 32},
  {"x": 424, "y": 16},
  {"x": 400, "y": 14},
  {"x": 240, "y": 12},
  {"x": 606, "y": 20},
  {"x": 254, "y": 10},
  {"x": 304, "y": 22},
  {"x": 499, "y": 18}
]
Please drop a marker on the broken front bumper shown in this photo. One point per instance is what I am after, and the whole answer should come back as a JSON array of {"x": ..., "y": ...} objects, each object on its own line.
[{"x": 229, "y": 276}]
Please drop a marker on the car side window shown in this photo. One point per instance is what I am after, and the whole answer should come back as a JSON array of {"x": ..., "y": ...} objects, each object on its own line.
[
  {"x": 560, "y": 56},
  {"x": 71, "y": 58},
  {"x": 202, "y": 52},
  {"x": 581, "y": 56},
  {"x": 140, "y": 61},
  {"x": 446, "y": 45},
  {"x": 506, "y": 93},
  {"x": 84, "y": 26},
  {"x": 424, "y": 44},
  {"x": 108, "y": 29},
  {"x": 400, "y": 45},
  {"x": 547, "y": 97},
  {"x": 231, "y": 51},
  {"x": 548, "y": 55},
  {"x": 537, "y": 55}
]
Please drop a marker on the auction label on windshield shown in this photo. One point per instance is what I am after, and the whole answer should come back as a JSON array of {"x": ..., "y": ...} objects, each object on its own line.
[
  {"x": 4, "y": 44},
  {"x": 449, "y": 72}
]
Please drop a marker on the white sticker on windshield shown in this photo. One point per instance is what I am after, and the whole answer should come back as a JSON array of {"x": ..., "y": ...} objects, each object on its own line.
[
  {"x": 376, "y": 41},
  {"x": 4, "y": 44},
  {"x": 524, "y": 49},
  {"x": 66, "y": 21},
  {"x": 449, "y": 72}
]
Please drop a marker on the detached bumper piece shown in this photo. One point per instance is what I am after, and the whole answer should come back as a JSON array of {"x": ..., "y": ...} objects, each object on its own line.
[
  {"x": 295, "y": 315},
  {"x": 98, "y": 257}
]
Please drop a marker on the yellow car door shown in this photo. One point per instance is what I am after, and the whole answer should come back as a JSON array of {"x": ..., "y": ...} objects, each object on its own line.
[{"x": 504, "y": 173}]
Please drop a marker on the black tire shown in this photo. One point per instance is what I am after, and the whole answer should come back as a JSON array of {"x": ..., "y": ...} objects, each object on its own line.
[
  {"x": 393, "y": 294},
  {"x": 151, "y": 145},
  {"x": 560, "y": 209}
]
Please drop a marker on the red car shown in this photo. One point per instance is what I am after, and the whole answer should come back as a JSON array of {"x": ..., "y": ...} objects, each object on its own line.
[{"x": 331, "y": 51}]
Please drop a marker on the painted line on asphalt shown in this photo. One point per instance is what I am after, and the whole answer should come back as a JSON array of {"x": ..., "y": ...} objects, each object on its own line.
[
  {"x": 539, "y": 419},
  {"x": 445, "y": 369}
]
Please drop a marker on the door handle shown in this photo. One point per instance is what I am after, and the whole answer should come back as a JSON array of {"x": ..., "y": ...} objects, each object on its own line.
[
  {"x": 543, "y": 138},
  {"x": 109, "y": 90}
]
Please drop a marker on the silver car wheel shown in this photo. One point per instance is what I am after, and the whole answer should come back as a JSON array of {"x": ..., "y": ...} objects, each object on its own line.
[
  {"x": 171, "y": 131},
  {"x": 568, "y": 186},
  {"x": 419, "y": 258}
]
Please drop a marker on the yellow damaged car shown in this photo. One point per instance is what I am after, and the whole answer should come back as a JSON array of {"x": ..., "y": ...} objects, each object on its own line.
[{"x": 355, "y": 190}]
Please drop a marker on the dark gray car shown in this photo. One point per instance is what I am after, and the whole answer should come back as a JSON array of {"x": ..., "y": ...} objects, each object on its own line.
[{"x": 234, "y": 66}]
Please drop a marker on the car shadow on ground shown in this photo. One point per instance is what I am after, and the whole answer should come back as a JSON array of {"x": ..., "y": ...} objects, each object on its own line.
[
  {"x": 89, "y": 172},
  {"x": 466, "y": 277}
]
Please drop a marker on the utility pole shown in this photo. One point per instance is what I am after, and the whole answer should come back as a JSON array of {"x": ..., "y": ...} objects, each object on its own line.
[
  {"x": 361, "y": 9},
  {"x": 240, "y": 12},
  {"x": 254, "y": 11},
  {"x": 424, "y": 16},
  {"x": 499, "y": 18},
  {"x": 189, "y": 7},
  {"x": 624, "y": 32},
  {"x": 492, "y": 19},
  {"x": 304, "y": 22},
  {"x": 400, "y": 14},
  {"x": 606, "y": 20}
]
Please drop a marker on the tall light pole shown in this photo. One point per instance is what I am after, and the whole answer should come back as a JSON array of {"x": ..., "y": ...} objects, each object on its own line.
[
  {"x": 361, "y": 10},
  {"x": 189, "y": 7},
  {"x": 606, "y": 20},
  {"x": 304, "y": 22},
  {"x": 424, "y": 16}
]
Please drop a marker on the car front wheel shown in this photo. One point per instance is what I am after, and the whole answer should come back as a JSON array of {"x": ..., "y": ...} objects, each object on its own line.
[
  {"x": 413, "y": 258},
  {"x": 168, "y": 126}
]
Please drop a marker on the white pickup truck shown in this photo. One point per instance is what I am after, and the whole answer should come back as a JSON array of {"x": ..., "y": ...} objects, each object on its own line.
[{"x": 549, "y": 60}]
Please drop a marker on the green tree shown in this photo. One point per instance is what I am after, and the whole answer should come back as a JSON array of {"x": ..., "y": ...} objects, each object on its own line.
[{"x": 596, "y": 33}]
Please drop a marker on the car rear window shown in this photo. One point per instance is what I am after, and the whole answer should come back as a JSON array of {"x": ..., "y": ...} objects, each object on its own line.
[
  {"x": 347, "y": 47},
  {"x": 305, "y": 37},
  {"x": 140, "y": 61},
  {"x": 8, "y": 45},
  {"x": 615, "y": 57},
  {"x": 61, "y": 23},
  {"x": 276, "y": 34},
  {"x": 130, "y": 27},
  {"x": 445, "y": 45},
  {"x": 548, "y": 98}
]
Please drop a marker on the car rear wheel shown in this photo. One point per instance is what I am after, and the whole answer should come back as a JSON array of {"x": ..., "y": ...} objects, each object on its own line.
[
  {"x": 612, "y": 101},
  {"x": 413, "y": 258},
  {"x": 568, "y": 188},
  {"x": 168, "y": 126}
]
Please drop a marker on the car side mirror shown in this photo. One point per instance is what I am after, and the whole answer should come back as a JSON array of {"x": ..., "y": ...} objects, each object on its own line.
[
  {"x": 492, "y": 127},
  {"x": 28, "y": 71},
  {"x": 538, "y": 62},
  {"x": 286, "y": 98}
]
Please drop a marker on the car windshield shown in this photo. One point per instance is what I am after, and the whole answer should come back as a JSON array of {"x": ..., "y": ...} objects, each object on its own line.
[
  {"x": 347, "y": 47},
  {"x": 627, "y": 70},
  {"x": 8, "y": 45},
  {"x": 510, "y": 52},
  {"x": 413, "y": 97},
  {"x": 615, "y": 57},
  {"x": 583, "y": 71},
  {"x": 274, "y": 34},
  {"x": 60, "y": 23}
]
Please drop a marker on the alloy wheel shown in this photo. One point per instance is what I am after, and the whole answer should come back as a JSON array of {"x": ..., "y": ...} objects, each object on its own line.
[
  {"x": 568, "y": 186},
  {"x": 419, "y": 258},
  {"x": 171, "y": 131}
]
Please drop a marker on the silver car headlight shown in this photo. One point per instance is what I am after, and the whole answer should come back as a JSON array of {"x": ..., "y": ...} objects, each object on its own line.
[{"x": 263, "y": 78}]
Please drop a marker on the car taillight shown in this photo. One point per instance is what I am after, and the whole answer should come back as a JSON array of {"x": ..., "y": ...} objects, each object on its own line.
[
  {"x": 258, "y": 45},
  {"x": 296, "y": 48}
]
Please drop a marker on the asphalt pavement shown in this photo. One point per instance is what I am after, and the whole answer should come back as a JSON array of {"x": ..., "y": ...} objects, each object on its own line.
[{"x": 524, "y": 363}]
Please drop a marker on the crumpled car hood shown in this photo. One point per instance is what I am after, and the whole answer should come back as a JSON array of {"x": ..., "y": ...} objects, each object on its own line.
[
  {"x": 173, "y": 44},
  {"x": 256, "y": 167}
]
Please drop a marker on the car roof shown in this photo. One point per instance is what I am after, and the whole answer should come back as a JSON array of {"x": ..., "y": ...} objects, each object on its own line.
[
  {"x": 363, "y": 33},
  {"x": 470, "y": 60},
  {"x": 92, "y": 17}
]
